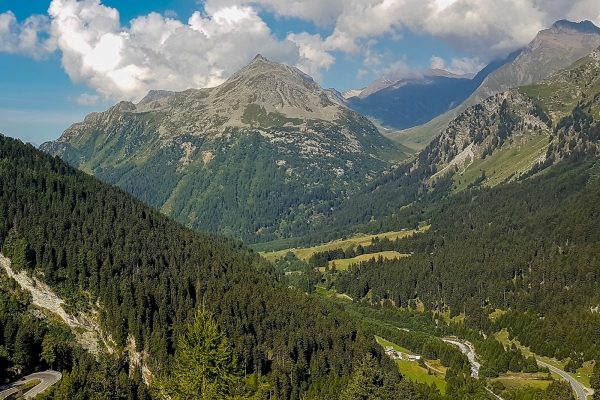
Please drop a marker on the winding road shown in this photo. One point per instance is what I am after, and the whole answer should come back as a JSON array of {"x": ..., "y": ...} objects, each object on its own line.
[
  {"x": 47, "y": 378},
  {"x": 578, "y": 388},
  {"x": 467, "y": 349}
]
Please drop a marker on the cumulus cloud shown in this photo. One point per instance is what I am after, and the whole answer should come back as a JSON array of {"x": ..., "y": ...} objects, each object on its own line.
[
  {"x": 313, "y": 52},
  {"x": 162, "y": 52},
  {"x": 87, "y": 99},
  {"x": 474, "y": 27},
  {"x": 158, "y": 52},
  {"x": 458, "y": 66},
  {"x": 30, "y": 37},
  {"x": 360, "y": 75}
]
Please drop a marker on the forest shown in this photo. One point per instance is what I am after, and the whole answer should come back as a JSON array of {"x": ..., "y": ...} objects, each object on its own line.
[
  {"x": 528, "y": 247},
  {"x": 93, "y": 243}
]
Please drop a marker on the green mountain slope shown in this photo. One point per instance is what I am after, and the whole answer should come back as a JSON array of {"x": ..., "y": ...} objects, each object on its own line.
[
  {"x": 511, "y": 133},
  {"x": 509, "y": 137},
  {"x": 258, "y": 153},
  {"x": 140, "y": 276}
]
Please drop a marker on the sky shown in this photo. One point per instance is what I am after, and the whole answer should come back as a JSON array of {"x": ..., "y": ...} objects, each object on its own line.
[{"x": 62, "y": 59}]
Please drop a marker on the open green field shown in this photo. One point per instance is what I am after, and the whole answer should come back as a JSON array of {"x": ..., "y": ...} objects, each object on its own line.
[
  {"x": 509, "y": 161},
  {"x": 386, "y": 343},
  {"x": 344, "y": 263},
  {"x": 363, "y": 240},
  {"x": 516, "y": 381},
  {"x": 411, "y": 369}
]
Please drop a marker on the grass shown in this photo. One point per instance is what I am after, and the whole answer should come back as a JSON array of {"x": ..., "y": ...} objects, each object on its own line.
[
  {"x": 387, "y": 343},
  {"x": 497, "y": 314},
  {"x": 419, "y": 136},
  {"x": 412, "y": 370},
  {"x": 582, "y": 376},
  {"x": 23, "y": 389},
  {"x": 363, "y": 240},
  {"x": 344, "y": 263},
  {"x": 516, "y": 381},
  {"x": 509, "y": 162}
]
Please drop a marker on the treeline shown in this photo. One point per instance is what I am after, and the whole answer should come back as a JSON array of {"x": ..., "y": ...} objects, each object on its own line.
[
  {"x": 94, "y": 243},
  {"x": 528, "y": 246}
]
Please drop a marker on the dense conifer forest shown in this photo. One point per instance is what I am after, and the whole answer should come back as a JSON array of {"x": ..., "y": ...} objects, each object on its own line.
[
  {"x": 93, "y": 243},
  {"x": 528, "y": 247}
]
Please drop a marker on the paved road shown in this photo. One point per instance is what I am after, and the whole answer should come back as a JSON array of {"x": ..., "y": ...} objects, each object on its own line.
[
  {"x": 467, "y": 349},
  {"x": 578, "y": 388},
  {"x": 47, "y": 378}
]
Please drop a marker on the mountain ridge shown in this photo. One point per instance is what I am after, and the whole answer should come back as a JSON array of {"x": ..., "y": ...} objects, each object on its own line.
[
  {"x": 551, "y": 50},
  {"x": 269, "y": 123}
]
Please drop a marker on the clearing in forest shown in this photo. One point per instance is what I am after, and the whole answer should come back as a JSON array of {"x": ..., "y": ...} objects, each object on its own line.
[{"x": 363, "y": 240}]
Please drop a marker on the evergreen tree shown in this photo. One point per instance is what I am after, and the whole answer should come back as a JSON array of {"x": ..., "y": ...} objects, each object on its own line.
[
  {"x": 559, "y": 390},
  {"x": 204, "y": 367},
  {"x": 370, "y": 382}
]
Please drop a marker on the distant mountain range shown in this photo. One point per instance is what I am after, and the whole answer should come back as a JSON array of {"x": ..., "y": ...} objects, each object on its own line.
[
  {"x": 261, "y": 151},
  {"x": 551, "y": 50},
  {"x": 412, "y": 100},
  {"x": 269, "y": 154}
]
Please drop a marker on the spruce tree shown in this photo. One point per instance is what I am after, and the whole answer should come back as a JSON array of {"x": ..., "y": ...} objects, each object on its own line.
[{"x": 204, "y": 367}]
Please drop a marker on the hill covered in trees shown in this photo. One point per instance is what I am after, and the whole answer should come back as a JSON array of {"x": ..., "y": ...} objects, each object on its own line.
[
  {"x": 509, "y": 137},
  {"x": 527, "y": 248},
  {"x": 144, "y": 275}
]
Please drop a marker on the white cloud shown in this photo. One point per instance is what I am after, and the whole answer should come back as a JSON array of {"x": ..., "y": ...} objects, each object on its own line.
[
  {"x": 161, "y": 52},
  {"x": 458, "y": 66},
  {"x": 360, "y": 75},
  {"x": 437, "y": 62},
  {"x": 29, "y": 38},
  {"x": 474, "y": 27},
  {"x": 313, "y": 53},
  {"x": 158, "y": 52},
  {"x": 170, "y": 14},
  {"x": 87, "y": 99}
]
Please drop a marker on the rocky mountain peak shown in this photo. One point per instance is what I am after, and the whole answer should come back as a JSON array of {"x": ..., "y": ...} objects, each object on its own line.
[
  {"x": 567, "y": 26},
  {"x": 259, "y": 57},
  {"x": 273, "y": 87},
  {"x": 154, "y": 95}
]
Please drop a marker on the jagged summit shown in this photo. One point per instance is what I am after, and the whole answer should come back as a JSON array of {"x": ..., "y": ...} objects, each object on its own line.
[
  {"x": 583, "y": 26},
  {"x": 154, "y": 95},
  {"x": 550, "y": 51}
]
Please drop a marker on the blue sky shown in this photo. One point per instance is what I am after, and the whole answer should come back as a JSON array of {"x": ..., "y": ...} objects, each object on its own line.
[{"x": 62, "y": 59}]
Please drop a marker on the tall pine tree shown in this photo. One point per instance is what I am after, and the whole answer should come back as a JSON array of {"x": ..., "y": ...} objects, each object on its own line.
[{"x": 204, "y": 367}]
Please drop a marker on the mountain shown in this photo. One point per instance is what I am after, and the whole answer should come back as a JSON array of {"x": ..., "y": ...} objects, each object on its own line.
[
  {"x": 508, "y": 134},
  {"x": 384, "y": 83},
  {"x": 131, "y": 278},
  {"x": 250, "y": 157},
  {"x": 154, "y": 95},
  {"x": 551, "y": 50},
  {"x": 512, "y": 233},
  {"x": 413, "y": 100},
  {"x": 509, "y": 137}
]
